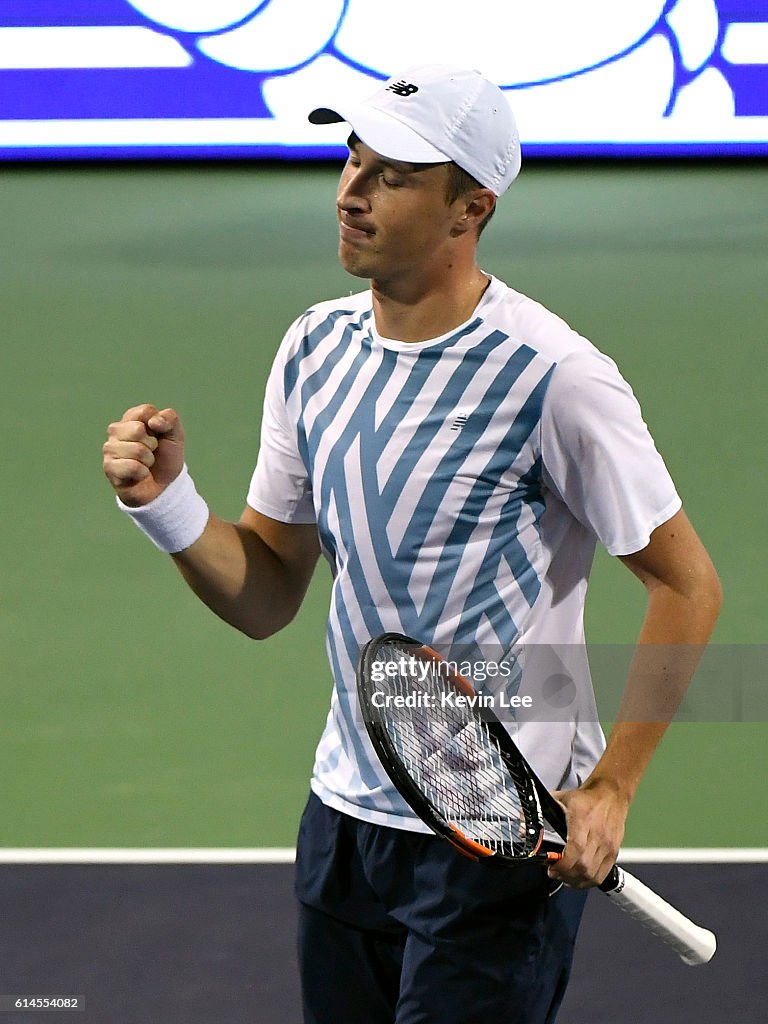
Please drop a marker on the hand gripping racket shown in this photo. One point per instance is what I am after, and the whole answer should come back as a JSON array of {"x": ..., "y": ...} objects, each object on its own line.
[{"x": 459, "y": 769}]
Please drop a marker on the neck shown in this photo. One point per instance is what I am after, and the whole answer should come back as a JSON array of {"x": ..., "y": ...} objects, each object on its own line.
[{"x": 410, "y": 310}]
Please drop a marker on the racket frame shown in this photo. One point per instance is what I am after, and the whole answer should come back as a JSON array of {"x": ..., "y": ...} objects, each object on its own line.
[{"x": 515, "y": 763}]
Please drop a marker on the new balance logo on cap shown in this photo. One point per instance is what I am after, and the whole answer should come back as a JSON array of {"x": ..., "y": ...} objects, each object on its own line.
[{"x": 402, "y": 88}]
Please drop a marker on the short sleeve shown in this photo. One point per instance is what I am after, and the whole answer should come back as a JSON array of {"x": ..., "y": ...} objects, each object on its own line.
[
  {"x": 599, "y": 457},
  {"x": 280, "y": 487}
]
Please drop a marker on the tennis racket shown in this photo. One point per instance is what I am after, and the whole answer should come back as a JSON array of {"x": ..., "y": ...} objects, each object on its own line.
[{"x": 456, "y": 765}]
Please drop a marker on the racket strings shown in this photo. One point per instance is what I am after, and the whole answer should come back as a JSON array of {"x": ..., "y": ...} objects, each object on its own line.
[{"x": 451, "y": 754}]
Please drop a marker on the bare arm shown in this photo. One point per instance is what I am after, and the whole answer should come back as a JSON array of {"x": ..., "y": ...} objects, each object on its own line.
[
  {"x": 253, "y": 574},
  {"x": 684, "y": 600}
]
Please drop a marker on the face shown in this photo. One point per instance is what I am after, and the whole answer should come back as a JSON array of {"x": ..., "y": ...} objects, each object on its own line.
[{"x": 394, "y": 220}]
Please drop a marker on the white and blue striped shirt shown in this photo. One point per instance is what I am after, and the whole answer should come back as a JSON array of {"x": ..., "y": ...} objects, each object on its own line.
[{"x": 458, "y": 485}]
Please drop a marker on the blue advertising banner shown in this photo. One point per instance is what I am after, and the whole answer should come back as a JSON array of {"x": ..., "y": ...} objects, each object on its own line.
[{"x": 218, "y": 78}]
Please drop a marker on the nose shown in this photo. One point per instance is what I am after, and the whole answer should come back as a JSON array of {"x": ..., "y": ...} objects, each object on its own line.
[{"x": 352, "y": 194}]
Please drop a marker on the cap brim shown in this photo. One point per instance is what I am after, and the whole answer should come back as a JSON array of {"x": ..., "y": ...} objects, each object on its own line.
[{"x": 382, "y": 133}]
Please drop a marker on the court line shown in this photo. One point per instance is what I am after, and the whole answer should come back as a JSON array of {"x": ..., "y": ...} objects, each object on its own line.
[
  {"x": 286, "y": 855},
  {"x": 148, "y": 855}
]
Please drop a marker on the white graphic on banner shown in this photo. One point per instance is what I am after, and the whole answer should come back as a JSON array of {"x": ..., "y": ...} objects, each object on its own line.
[
  {"x": 197, "y": 15},
  {"x": 575, "y": 71},
  {"x": 91, "y": 46},
  {"x": 624, "y": 96},
  {"x": 285, "y": 35},
  {"x": 695, "y": 24},
  {"x": 279, "y": 35},
  {"x": 529, "y": 40},
  {"x": 746, "y": 43}
]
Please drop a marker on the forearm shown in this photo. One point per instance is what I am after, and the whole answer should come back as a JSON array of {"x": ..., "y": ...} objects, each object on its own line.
[
  {"x": 677, "y": 626},
  {"x": 253, "y": 574},
  {"x": 240, "y": 578},
  {"x": 683, "y": 604}
]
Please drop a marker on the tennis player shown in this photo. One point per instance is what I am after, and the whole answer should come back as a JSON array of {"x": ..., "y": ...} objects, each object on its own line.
[{"x": 455, "y": 451}]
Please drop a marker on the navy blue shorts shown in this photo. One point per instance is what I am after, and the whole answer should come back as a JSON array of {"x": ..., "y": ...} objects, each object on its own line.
[{"x": 397, "y": 927}]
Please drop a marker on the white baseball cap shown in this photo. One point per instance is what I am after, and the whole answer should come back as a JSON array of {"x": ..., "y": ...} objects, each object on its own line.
[{"x": 433, "y": 113}]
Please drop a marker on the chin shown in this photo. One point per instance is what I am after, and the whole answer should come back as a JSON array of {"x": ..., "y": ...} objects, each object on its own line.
[{"x": 354, "y": 263}]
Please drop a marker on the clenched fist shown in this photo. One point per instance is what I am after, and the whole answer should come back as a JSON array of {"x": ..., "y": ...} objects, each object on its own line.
[{"x": 143, "y": 453}]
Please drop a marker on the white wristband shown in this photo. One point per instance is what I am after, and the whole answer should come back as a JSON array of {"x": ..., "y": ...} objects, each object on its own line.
[{"x": 175, "y": 519}]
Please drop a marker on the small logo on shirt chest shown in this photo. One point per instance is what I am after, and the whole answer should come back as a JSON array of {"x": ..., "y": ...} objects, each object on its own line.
[{"x": 459, "y": 422}]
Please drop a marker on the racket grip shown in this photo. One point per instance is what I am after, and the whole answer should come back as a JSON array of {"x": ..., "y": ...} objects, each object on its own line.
[{"x": 693, "y": 944}]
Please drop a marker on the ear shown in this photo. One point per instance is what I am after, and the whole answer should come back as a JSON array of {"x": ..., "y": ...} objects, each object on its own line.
[{"x": 472, "y": 210}]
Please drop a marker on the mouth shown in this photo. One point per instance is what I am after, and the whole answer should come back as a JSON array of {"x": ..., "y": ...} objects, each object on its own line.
[{"x": 350, "y": 233}]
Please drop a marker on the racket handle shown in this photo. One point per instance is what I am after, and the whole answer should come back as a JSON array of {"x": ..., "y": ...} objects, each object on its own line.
[{"x": 693, "y": 944}]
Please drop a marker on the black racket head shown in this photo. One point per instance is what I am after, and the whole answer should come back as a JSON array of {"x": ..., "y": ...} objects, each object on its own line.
[{"x": 448, "y": 756}]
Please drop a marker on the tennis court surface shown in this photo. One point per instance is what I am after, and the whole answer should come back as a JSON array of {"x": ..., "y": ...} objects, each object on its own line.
[{"x": 194, "y": 943}]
